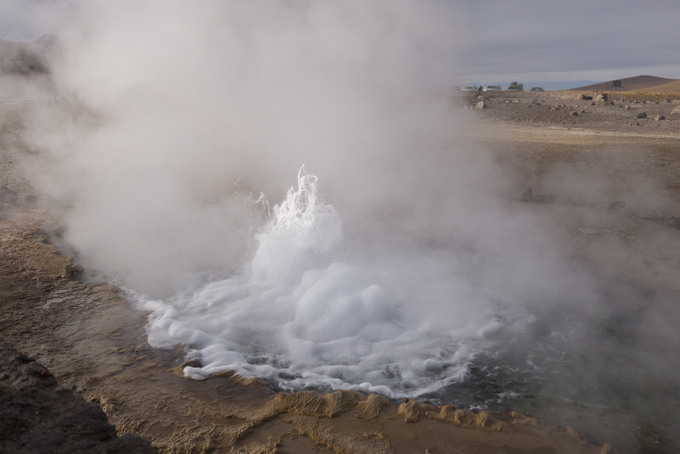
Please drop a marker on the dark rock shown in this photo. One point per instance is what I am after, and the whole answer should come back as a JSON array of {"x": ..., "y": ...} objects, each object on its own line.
[
  {"x": 73, "y": 272},
  {"x": 641, "y": 115},
  {"x": 39, "y": 416},
  {"x": 659, "y": 118},
  {"x": 192, "y": 363}
]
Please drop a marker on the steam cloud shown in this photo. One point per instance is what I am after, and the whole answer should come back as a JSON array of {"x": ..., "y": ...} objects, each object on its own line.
[
  {"x": 195, "y": 104},
  {"x": 190, "y": 109}
]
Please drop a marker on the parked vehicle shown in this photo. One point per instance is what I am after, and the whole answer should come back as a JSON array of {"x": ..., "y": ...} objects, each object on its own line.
[
  {"x": 516, "y": 86},
  {"x": 537, "y": 89},
  {"x": 493, "y": 88}
]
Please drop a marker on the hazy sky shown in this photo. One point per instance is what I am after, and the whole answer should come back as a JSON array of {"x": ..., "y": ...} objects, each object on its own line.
[
  {"x": 16, "y": 21},
  {"x": 502, "y": 40},
  {"x": 570, "y": 40}
]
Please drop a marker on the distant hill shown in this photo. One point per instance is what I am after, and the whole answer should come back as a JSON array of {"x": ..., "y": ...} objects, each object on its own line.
[
  {"x": 668, "y": 87},
  {"x": 630, "y": 83}
]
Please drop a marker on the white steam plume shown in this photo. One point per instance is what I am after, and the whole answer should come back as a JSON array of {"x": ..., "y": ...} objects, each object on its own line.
[{"x": 171, "y": 108}]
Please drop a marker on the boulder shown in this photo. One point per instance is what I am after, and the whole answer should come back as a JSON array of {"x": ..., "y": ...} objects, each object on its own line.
[
  {"x": 38, "y": 415},
  {"x": 480, "y": 105},
  {"x": 641, "y": 115}
]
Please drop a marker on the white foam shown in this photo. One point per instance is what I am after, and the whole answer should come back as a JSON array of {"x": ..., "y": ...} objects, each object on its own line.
[{"x": 305, "y": 313}]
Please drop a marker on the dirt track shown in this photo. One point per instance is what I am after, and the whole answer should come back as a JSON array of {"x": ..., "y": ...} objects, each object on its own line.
[{"x": 95, "y": 344}]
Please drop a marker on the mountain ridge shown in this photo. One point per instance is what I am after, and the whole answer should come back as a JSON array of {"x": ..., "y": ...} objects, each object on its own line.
[{"x": 641, "y": 82}]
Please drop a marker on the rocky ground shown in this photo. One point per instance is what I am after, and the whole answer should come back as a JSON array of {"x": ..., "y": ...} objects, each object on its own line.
[
  {"x": 600, "y": 111},
  {"x": 94, "y": 344},
  {"x": 38, "y": 415}
]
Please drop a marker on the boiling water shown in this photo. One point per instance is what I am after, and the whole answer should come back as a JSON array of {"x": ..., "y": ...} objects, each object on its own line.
[{"x": 306, "y": 312}]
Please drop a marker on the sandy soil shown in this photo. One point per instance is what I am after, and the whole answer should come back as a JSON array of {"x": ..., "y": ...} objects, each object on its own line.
[
  {"x": 95, "y": 344},
  {"x": 566, "y": 109}
]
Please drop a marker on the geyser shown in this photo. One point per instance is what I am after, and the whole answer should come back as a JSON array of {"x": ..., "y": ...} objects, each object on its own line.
[{"x": 303, "y": 312}]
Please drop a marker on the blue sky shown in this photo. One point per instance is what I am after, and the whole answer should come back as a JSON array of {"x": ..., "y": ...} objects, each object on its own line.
[{"x": 504, "y": 40}]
